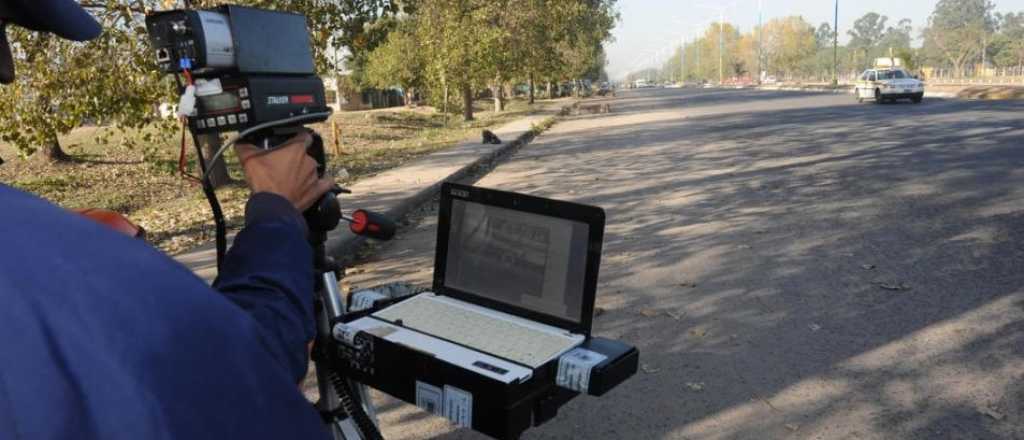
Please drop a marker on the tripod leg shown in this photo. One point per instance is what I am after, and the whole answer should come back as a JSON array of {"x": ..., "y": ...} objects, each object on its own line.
[{"x": 364, "y": 397}]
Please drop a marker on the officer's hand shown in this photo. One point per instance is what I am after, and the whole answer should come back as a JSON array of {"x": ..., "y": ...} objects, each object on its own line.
[{"x": 286, "y": 171}]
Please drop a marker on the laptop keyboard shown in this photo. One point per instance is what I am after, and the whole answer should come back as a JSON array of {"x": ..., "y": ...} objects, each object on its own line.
[{"x": 505, "y": 339}]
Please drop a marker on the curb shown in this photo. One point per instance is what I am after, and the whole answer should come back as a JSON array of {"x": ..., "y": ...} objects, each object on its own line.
[
  {"x": 849, "y": 91},
  {"x": 345, "y": 249},
  {"x": 837, "y": 91}
]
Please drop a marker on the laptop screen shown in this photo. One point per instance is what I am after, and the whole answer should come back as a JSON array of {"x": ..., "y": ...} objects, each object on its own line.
[{"x": 518, "y": 258}]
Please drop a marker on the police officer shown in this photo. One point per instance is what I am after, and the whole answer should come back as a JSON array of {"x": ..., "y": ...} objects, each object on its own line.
[{"x": 104, "y": 337}]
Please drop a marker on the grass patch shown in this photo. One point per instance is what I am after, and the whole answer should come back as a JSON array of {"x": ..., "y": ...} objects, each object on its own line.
[{"x": 143, "y": 184}]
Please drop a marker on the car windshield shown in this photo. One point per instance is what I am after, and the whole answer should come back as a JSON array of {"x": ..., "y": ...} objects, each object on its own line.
[{"x": 886, "y": 74}]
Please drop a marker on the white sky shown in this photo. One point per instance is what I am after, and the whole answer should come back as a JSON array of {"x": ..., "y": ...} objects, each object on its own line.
[{"x": 650, "y": 29}]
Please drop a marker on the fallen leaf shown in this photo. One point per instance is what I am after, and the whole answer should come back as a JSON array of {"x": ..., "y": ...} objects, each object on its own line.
[
  {"x": 867, "y": 266},
  {"x": 792, "y": 427},
  {"x": 814, "y": 327},
  {"x": 899, "y": 287},
  {"x": 993, "y": 413},
  {"x": 699, "y": 332},
  {"x": 695, "y": 386},
  {"x": 650, "y": 313},
  {"x": 649, "y": 369},
  {"x": 675, "y": 316}
]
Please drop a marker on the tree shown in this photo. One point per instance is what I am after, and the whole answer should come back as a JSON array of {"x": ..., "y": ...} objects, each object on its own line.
[
  {"x": 824, "y": 36},
  {"x": 959, "y": 30},
  {"x": 897, "y": 37},
  {"x": 397, "y": 62},
  {"x": 789, "y": 45},
  {"x": 115, "y": 79},
  {"x": 61, "y": 84},
  {"x": 1008, "y": 44},
  {"x": 866, "y": 35}
]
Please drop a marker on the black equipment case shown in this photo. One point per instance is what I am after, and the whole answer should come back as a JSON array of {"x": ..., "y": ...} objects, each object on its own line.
[{"x": 498, "y": 409}]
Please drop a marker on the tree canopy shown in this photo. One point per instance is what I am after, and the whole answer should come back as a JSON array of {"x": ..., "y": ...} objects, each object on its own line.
[
  {"x": 464, "y": 46},
  {"x": 113, "y": 80},
  {"x": 960, "y": 34}
]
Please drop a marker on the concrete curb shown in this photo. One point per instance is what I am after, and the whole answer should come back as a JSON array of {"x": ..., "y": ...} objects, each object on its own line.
[
  {"x": 838, "y": 91},
  {"x": 849, "y": 91},
  {"x": 345, "y": 249}
]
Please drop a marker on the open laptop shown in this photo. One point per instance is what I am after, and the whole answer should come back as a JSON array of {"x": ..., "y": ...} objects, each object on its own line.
[{"x": 514, "y": 283}]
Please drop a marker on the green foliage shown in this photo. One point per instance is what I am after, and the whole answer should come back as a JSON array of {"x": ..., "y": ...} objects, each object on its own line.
[
  {"x": 61, "y": 84},
  {"x": 958, "y": 30},
  {"x": 113, "y": 80},
  {"x": 397, "y": 61},
  {"x": 453, "y": 48},
  {"x": 788, "y": 43},
  {"x": 1008, "y": 45},
  {"x": 867, "y": 31}
]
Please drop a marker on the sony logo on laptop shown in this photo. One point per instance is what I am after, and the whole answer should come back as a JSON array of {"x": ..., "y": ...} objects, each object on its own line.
[{"x": 460, "y": 193}]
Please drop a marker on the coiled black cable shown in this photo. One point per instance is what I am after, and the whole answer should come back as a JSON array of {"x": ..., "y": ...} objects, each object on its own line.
[{"x": 367, "y": 428}]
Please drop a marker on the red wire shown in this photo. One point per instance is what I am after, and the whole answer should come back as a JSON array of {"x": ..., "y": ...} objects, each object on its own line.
[{"x": 182, "y": 162}]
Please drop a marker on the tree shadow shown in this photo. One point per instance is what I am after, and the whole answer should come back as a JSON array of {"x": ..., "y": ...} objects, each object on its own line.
[{"x": 790, "y": 223}]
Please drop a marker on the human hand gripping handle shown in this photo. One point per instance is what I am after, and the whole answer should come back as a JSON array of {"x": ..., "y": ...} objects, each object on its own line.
[{"x": 286, "y": 171}]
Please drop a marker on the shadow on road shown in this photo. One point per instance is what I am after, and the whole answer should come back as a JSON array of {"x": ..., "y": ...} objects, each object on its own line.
[{"x": 841, "y": 271}]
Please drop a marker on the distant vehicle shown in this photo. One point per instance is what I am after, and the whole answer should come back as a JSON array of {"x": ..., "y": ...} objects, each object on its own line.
[
  {"x": 641, "y": 84},
  {"x": 889, "y": 82}
]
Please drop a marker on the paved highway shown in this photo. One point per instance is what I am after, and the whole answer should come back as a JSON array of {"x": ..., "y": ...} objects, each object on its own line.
[{"x": 791, "y": 265}]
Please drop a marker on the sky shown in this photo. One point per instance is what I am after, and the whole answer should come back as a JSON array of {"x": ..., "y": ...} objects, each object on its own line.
[{"x": 650, "y": 29}]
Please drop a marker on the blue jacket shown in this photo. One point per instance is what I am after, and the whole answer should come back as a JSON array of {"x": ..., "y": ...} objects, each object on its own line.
[{"x": 104, "y": 337}]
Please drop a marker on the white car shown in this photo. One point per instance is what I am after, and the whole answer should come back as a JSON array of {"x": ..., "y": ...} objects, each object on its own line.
[{"x": 888, "y": 84}]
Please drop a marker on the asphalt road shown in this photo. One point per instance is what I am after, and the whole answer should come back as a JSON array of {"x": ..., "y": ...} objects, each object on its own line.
[{"x": 752, "y": 241}]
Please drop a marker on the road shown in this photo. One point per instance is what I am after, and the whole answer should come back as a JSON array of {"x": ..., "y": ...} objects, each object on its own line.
[{"x": 752, "y": 241}]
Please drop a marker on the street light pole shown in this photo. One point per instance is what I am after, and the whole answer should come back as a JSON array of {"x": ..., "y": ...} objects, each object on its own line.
[
  {"x": 682, "y": 61},
  {"x": 835, "y": 48},
  {"x": 721, "y": 46},
  {"x": 760, "y": 40}
]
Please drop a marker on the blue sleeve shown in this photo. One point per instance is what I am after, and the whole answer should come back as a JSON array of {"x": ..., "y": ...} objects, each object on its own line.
[
  {"x": 268, "y": 272},
  {"x": 104, "y": 337}
]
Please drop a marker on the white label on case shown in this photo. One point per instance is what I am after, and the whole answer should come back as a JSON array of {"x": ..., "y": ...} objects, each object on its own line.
[
  {"x": 345, "y": 334},
  {"x": 574, "y": 369},
  {"x": 458, "y": 406},
  {"x": 430, "y": 398},
  {"x": 364, "y": 299}
]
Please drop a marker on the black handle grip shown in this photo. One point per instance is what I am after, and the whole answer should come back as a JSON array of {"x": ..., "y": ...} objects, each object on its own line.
[{"x": 373, "y": 225}]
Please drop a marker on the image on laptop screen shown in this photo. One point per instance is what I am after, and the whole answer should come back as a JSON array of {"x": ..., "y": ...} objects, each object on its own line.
[{"x": 527, "y": 260}]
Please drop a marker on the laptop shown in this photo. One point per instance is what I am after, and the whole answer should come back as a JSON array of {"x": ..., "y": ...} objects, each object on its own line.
[{"x": 515, "y": 278}]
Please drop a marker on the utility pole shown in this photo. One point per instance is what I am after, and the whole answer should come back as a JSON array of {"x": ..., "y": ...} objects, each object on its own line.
[
  {"x": 760, "y": 40},
  {"x": 835, "y": 48},
  {"x": 682, "y": 61},
  {"x": 721, "y": 46},
  {"x": 699, "y": 72}
]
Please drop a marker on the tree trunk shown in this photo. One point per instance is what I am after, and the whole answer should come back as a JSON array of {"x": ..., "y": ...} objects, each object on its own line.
[
  {"x": 549, "y": 90},
  {"x": 499, "y": 103},
  {"x": 52, "y": 152},
  {"x": 531, "y": 90},
  {"x": 210, "y": 143},
  {"x": 410, "y": 94},
  {"x": 467, "y": 102}
]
